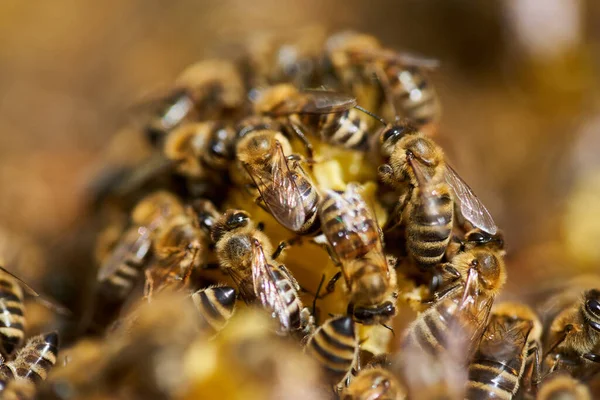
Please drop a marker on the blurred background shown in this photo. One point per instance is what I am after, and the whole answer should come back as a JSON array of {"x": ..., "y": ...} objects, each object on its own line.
[{"x": 518, "y": 85}]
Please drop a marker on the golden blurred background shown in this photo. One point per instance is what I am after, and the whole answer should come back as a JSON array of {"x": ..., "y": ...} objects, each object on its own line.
[{"x": 517, "y": 82}]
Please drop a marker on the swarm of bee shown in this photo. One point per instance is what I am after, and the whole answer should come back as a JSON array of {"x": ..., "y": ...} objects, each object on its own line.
[{"x": 271, "y": 178}]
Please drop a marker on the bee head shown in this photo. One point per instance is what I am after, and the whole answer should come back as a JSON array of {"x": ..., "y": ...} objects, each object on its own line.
[
  {"x": 371, "y": 315},
  {"x": 592, "y": 308},
  {"x": 231, "y": 220},
  {"x": 490, "y": 268}
]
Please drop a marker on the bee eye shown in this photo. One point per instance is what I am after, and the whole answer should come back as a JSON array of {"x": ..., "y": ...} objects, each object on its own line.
[
  {"x": 237, "y": 220},
  {"x": 474, "y": 263},
  {"x": 478, "y": 237},
  {"x": 395, "y": 133},
  {"x": 389, "y": 309},
  {"x": 593, "y": 306}
]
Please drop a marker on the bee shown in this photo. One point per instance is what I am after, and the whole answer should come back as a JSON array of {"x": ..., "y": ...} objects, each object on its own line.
[
  {"x": 284, "y": 187},
  {"x": 215, "y": 306},
  {"x": 462, "y": 308},
  {"x": 12, "y": 313},
  {"x": 201, "y": 150},
  {"x": 499, "y": 362},
  {"x": 374, "y": 384},
  {"x": 329, "y": 116},
  {"x": 335, "y": 346},
  {"x": 120, "y": 271},
  {"x": 403, "y": 79},
  {"x": 522, "y": 312},
  {"x": 559, "y": 386},
  {"x": 34, "y": 361},
  {"x": 209, "y": 89},
  {"x": 19, "y": 390},
  {"x": 269, "y": 60},
  {"x": 430, "y": 190},
  {"x": 234, "y": 234},
  {"x": 179, "y": 247},
  {"x": 278, "y": 291},
  {"x": 355, "y": 238},
  {"x": 574, "y": 337}
]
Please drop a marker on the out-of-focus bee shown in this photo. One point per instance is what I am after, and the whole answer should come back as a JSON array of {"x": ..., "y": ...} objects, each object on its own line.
[
  {"x": 34, "y": 361},
  {"x": 12, "y": 313},
  {"x": 270, "y": 60},
  {"x": 285, "y": 189},
  {"x": 201, "y": 152},
  {"x": 463, "y": 307},
  {"x": 430, "y": 190},
  {"x": 401, "y": 80},
  {"x": 355, "y": 238},
  {"x": 499, "y": 363},
  {"x": 562, "y": 386},
  {"x": 206, "y": 90},
  {"x": 335, "y": 346},
  {"x": 327, "y": 115},
  {"x": 19, "y": 390},
  {"x": 522, "y": 312},
  {"x": 215, "y": 306},
  {"x": 374, "y": 384},
  {"x": 574, "y": 338},
  {"x": 122, "y": 268},
  {"x": 234, "y": 234}
]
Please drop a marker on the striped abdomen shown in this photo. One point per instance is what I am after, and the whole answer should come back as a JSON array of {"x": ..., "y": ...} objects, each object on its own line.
[
  {"x": 220, "y": 150},
  {"x": 498, "y": 365},
  {"x": 288, "y": 289},
  {"x": 12, "y": 314},
  {"x": 356, "y": 238},
  {"x": 335, "y": 346},
  {"x": 413, "y": 94},
  {"x": 348, "y": 129},
  {"x": 35, "y": 360},
  {"x": 310, "y": 202},
  {"x": 429, "y": 224},
  {"x": 215, "y": 307},
  {"x": 6, "y": 376}
]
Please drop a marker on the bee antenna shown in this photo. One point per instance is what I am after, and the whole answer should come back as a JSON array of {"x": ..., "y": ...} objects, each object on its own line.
[
  {"x": 390, "y": 329},
  {"x": 377, "y": 117},
  {"x": 314, "y": 304}
]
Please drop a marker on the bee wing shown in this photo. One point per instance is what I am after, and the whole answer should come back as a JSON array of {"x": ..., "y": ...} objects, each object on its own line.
[
  {"x": 428, "y": 194},
  {"x": 135, "y": 243},
  {"x": 401, "y": 58},
  {"x": 265, "y": 286},
  {"x": 504, "y": 339},
  {"x": 279, "y": 191},
  {"x": 475, "y": 307},
  {"x": 356, "y": 225},
  {"x": 313, "y": 101},
  {"x": 470, "y": 206}
]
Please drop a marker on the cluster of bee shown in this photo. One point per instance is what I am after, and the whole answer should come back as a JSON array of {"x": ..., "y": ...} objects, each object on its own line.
[{"x": 239, "y": 149}]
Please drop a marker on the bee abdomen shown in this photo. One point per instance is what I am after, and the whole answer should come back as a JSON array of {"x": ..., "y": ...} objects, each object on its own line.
[
  {"x": 414, "y": 96},
  {"x": 35, "y": 360},
  {"x": 334, "y": 345},
  {"x": 125, "y": 277},
  {"x": 6, "y": 375},
  {"x": 215, "y": 307},
  {"x": 490, "y": 379},
  {"x": 12, "y": 314}
]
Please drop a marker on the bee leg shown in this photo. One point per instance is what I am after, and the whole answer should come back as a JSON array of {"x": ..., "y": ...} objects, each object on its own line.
[
  {"x": 330, "y": 288},
  {"x": 284, "y": 245},
  {"x": 148, "y": 285},
  {"x": 396, "y": 213},
  {"x": 307, "y": 145},
  {"x": 592, "y": 357},
  {"x": 260, "y": 226}
]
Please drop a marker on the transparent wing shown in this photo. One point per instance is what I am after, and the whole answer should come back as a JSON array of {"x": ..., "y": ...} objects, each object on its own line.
[
  {"x": 134, "y": 245},
  {"x": 279, "y": 191},
  {"x": 265, "y": 286},
  {"x": 315, "y": 102},
  {"x": 471, "y": 207},
  {"x": 390, "y": 56},
  {"x": 358, "y": 228}
]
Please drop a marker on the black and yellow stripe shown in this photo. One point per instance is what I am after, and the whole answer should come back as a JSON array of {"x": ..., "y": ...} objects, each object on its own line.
[
  {"x": 215, "y": 306},
  {"x": 35, "y": 360},
  {"x": 430, "y": 225},
  {"x": 335, "y": 346},
  {"x": 12, "y": 314}
]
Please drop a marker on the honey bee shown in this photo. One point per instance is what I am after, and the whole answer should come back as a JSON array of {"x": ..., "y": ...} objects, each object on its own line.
[
  {"x": 335, "y": 346},
  {"x": 522, "y": 312},
  {"x": 209, "y": 89},
  {"x": 499, "y": 362},
  {"x": 374, "y": 384},
  {"x": 327, "y": 115},
  {"x": 122, "y": 268},
  {"x": 34, "y": 361},
  {"x": 19, "y": 390},
  {"x": 355, "y": 238},
  {"x": 12, "y": 311},
  {"x": 285, "y": 189},
  {"x": 430, "y": 190},
  {"x": 562, "y": 386},
  {"x": 574, "y": 337},
  {"x": 234, "y": 234},
  {"x": 179, "y": 247},
  {"x": 403, "y": 79},
  {"x": 215, "y": 306},
  {"x": 463, "y": 307}
]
